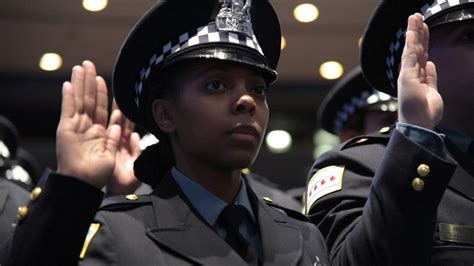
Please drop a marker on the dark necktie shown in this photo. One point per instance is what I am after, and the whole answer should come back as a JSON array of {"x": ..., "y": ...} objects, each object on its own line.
[{"x": 231, "y": 218}]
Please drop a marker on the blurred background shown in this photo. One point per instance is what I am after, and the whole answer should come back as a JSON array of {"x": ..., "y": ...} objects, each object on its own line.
[{"x": 41, "y": 41}]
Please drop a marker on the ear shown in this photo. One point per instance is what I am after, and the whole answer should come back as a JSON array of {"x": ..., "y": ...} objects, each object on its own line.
[{"x": 161, "y": 109}]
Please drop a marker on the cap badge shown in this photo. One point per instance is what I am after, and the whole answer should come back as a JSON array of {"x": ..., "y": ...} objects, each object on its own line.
[{"x": 235, "y": 16}]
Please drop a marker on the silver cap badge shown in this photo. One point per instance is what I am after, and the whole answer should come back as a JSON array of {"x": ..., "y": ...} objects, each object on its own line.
[{"x": 235, "y": 16}]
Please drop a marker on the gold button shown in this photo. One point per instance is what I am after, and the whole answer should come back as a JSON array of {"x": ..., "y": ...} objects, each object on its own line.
[
  {"x": 384, "y": 130},
  {"x": 423, "y": 170},
  {"x": 22, "y": 212},
  {"x": 35, "y": 193},
  {"x": 246, "y": 171},
  {"x": 418, "y": 184},
  {"x": 267, "y": 199},
  {"x": 132, "y": 197},
  {"x": 362, "y": 140}
]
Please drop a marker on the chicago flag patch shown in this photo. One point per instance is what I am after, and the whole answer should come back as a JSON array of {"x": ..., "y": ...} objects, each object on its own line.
[{"x": 325, "y": 181}]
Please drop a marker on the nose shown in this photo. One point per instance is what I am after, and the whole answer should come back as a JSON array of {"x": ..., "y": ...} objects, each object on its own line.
[{"x": 244, "y": 104}]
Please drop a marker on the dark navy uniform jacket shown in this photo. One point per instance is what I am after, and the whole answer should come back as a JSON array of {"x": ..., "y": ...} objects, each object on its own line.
[
  {"x": 12, "y": 196},
  {"x": 157, "y": 229},
  {"x": 399, "y": 204}
]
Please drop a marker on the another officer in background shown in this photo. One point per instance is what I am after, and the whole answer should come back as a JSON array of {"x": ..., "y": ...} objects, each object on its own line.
[
  {"x": 352, "y": 108},
  {"x": 12, "y": 196},
  {"x": 416, "y": 196}
]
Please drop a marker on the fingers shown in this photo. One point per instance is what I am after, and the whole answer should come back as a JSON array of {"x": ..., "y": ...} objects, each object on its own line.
[
  {"x": 115, "y": 117},
  {"x": 426, "y": 41},
  {"x": 102, "y": 101},
  {"x": 415, "y": 54},
  {"x": 113, "y": 138},
  {"x": 135, "y": 144},
  {"x": 90, "y": 88},
  {"x": 128, "y": 126},
  {"x": 114, "y": 104},
  {"x": 409, "y": 58},
  {"x": 77, "y": 81},
  {"x": 68, "y": 104},
  {"x": 431, "y": 75},
  {"x": 119, "y": 118}
]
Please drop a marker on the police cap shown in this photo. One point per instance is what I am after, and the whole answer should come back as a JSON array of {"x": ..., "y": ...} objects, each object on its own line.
[
  {"x": 384, "y": 36},
  {"x": 172, "y": 31},
  {"x": 350, "y": 96}
]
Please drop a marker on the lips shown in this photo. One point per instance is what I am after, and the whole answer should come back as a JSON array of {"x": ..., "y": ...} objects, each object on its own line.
[{"x": 245, "y": 130}]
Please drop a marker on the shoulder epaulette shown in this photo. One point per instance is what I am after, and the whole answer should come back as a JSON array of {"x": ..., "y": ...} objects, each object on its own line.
[
  {"x": 124, "y": 202},
  {"x": 289, "y": 212},
  {"x": 380, "y": 137}
]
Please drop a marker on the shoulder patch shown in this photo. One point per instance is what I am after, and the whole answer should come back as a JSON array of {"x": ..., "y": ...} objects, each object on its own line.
[
  {"x": 93, "y": 229},
  {"x": 325, "y": 181}
]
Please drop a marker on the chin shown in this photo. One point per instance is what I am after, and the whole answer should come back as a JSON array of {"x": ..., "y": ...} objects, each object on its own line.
[{"x": 239, "y": 159}]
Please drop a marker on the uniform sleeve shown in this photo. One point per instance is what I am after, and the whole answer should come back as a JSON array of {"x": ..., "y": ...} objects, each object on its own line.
[
  {"x": 55, "y": 224},
  {"x": 385, "y": 216}
]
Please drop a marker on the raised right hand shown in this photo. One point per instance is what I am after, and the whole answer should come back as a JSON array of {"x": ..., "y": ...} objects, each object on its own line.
[
  {"x": 420, "y": 103},
  {"x": 85, "y": 146}
]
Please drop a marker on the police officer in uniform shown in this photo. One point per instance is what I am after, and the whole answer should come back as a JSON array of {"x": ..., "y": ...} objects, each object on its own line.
[
  {"x": 12, "y": 195},
  {"x": 413, "y": 204},
  {"x": 194, "y": 73},
  {"x": 352, "y": 108}
]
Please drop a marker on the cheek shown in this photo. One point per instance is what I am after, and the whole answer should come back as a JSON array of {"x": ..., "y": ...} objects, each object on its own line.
[
  {"x": 262, "y": 114},
  {"x": 455, "y": 69}
]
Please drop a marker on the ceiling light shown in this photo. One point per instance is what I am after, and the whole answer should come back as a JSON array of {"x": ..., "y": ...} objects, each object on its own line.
[
  {"x": 331, "y": 70},
  {"x": 283, "y": 42},
  {"x": 278, "y": 141},
  {"x": 94, "y": 5},
  {"x": 306, "y": 13},
  {"x": 50, "y": 62}
]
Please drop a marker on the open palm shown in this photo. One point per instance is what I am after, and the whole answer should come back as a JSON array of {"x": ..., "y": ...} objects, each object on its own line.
[
  {"x": 418, "y": 97},
  {"x": 85, "y": 147}
]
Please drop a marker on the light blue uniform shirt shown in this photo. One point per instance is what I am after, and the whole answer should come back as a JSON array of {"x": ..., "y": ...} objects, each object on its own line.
[{"x": 209, "y": 206}]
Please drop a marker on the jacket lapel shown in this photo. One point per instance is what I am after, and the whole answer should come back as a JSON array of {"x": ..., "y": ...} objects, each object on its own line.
[
  {"x": 3, "y": 195},
  {"x": 178, "y": 228},
  {"x": 462, "y": 181},
  {"x": 282, "y": 243}
]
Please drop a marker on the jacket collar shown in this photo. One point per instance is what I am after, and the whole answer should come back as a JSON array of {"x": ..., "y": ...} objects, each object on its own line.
[{"x": 176, "y": 225}]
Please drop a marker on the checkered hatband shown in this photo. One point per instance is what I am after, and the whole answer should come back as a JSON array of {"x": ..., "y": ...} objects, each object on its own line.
[
  {"x": 395, "y": 51},
  {"x": 441, "y": 5},
  {"x": 202, "y": 35},
  {"x": 350, "y": 108}
]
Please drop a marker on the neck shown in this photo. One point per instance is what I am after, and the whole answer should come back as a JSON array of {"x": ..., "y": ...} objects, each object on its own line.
[{"x": 223, "y": 183}]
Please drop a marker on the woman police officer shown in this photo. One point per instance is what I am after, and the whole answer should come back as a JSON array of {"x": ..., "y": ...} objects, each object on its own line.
[{"x": 195, "y": 73}]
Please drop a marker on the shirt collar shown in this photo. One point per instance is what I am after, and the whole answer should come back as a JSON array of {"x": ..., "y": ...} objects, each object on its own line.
[{"x": 208, "y": 205}]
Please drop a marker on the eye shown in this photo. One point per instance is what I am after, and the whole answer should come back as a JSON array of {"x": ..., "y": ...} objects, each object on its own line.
[
  {"x": 261, "y": 90},
  {"x": 215, "y": 86}
]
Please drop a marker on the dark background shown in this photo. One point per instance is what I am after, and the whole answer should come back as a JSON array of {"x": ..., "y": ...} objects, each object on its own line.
[{"x": 31, "y": 97}]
